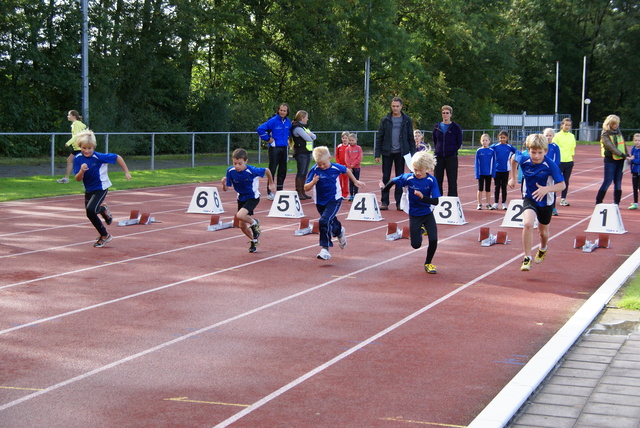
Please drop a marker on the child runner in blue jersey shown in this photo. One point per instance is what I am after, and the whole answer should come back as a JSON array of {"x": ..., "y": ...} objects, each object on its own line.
[
  {"x": 541, "y": 179},
  {"x": 504, "y": 151},
  {"x": 634, "y": 163},
  {"x": 245, "y": 179},
  {"x": 485, "y": 169},
  {"x": 324, "y": 176},
  {"x": 423, "y": 192},
  {"x": 90, "y": 167}
]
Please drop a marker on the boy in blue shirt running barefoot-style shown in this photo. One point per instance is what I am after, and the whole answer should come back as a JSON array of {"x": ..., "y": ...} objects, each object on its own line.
[
  {"x": 90, "y": 167},
  {"x": 245, "y": 179},
  {"x": 423, "y": 193},
  {"x": 541, "y": 178},
  {"x": 324, "y": 176}
]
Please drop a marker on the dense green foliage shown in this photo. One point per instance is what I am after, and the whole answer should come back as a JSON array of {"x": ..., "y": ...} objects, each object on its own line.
[{"x": 224, "y": 65}]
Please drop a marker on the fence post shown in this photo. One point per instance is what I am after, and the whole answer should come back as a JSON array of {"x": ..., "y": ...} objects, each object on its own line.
[
  {"x": 193, "y": 150},
  {"x": 153, "y": 151},
  {"x": 53, "y": 153},
  {"x": 228, "y": 146},
  {"x": 106, "y": 143}
]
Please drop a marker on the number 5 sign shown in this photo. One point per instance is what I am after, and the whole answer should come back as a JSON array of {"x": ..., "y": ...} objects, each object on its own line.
[
  {"x": 449, "y": 211},
  {"x": 286, "y": 204},
  {"x": 205, "y": 200}
]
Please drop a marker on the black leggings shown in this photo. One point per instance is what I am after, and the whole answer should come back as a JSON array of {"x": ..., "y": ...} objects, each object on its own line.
[
  {"x": 93, "y": 203},
  {"x": 501, "y": 180},
  {"x": 415, "y": 232},
  {"x": 635, "y": 182},
  {"x": 278, "y": 161}
]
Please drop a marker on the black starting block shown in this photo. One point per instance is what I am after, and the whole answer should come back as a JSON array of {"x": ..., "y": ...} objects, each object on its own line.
[
  {"x": 587, "y": 246},
  {"x": 307, "y": 227},
  {"x": 216, "y": 223},
  {"x": 487, "y": 239},
  {"x": 136, "y": 218},
  {"x": 394, "y": 232}
]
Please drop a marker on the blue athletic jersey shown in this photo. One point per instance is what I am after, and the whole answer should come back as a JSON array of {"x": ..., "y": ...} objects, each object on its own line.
[
  {"x": 503, "y": 156},
  {"x": 96, "y": 177},
  {"x": 546, "y": 173},
  {"x": 245, "y": 182},
  {"x": 553, "y": 153},
  {"x": 635, "y": 162},
  {"x": 485, "y": 162},
  {"x": 328, "y": 186},
  {"x": 428, "y": 186}
]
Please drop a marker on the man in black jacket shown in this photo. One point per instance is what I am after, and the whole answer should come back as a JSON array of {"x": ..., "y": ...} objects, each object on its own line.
[{"x": 393, "y": 141}]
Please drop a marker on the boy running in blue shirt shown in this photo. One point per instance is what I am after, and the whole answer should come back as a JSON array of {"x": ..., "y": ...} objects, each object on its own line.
[
  {"x": 245, "y": 179},
  {"x": 423, "y": 192},
  {"x": 90, "y": 167},
  {"x": 541, "y": 179},
  {"x": 328, "y": 198}
]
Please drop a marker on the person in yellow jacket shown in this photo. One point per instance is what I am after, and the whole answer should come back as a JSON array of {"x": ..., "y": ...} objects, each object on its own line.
[
  {"x": 566, "y": 141},
  {"x": 76, "y": 127},
  {"x": 614, "y": 153}
]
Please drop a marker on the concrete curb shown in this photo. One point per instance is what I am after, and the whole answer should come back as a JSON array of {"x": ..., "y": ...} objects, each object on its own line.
[{"x": 508, "y": 401}]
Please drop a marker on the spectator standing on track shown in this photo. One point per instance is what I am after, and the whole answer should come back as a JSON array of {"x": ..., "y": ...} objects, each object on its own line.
[
  {"x": 353, "y": 157},
  {"x": 90, "y": 167},
  {"x": 394, "y": 140},
  {"x": 341, "y": 160},
  {"x": 614, "y": 153},
  {"x": 634, "y": 163},
  {"x": 275, "y": 132},
  {"x": 541, "y": 178},
  {"x": 418, "y": 137},
  {"x": 303, "y": 140},
  {"x": 447, "y": 140},
  {"x": 567, "y": 143},
  {"x": 76, "y": 127},
  {"x": 328, "y": 198},
  {"x": 423, "y": 193},
  {"x": 553, "y": 153},
  {"x": 504, "y": 152},
  {"x": 485, "y": 169},
  {"x": 244, "y": 180}
]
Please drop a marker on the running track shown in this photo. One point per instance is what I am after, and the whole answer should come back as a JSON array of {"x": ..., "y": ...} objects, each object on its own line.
[{"x": 171, "y": 325}]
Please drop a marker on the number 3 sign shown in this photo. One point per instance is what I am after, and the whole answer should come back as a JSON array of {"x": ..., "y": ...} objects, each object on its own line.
[{"x": 205, "y": 200}]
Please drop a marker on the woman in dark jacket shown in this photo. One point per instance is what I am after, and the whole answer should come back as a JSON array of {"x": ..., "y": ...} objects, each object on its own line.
[
  {"x": 447, "y": 140},
  {"x": 303, "y": 140}
]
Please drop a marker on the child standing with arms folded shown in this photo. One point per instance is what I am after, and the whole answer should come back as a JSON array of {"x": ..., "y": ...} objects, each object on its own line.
[
  {"x": 485, "y": 169},
  {"x": 341, "y": 159},
  {"x": 90, "y": 167},
  {"x": 324, "y": 176},
  {"x": 423, "y": 192},
  {"x": 418, "y": 136},
  {"x": 245, "y": 179},
  {"x": 541, "y": 178},
  {"x": 634, "y": 163},
  {"x": 504, "y": 151},
  {"x": 353, "y": 157}
]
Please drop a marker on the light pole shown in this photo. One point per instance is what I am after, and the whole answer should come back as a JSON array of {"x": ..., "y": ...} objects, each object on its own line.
[{"x": 587, "y": 101}]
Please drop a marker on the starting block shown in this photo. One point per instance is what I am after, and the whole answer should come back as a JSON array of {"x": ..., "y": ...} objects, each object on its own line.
[
  {"x": 306, "y": 228},
  {"x": 136, "y": 218},
  {"x": 487, "y": 239},
  {"x": 216, "y": 223},
  {"x": 394, "y": 232},
  {"x": 581, "y": 241}
]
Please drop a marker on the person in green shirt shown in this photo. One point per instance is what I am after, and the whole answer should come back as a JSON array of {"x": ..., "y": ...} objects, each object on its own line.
[
  {"x": 76, "y": 127},
  {"x": 567, "y": 143}
]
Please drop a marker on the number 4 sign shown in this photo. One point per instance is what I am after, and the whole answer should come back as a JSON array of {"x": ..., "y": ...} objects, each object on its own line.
[
  {"x": 364, "y": 207},
  {"x": 205, "y": 200}
]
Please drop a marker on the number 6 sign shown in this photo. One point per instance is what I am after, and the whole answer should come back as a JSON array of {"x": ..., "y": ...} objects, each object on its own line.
[{"x": 206, "y": 200}]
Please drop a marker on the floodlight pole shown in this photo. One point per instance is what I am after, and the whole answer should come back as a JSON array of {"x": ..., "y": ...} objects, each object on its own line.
[
  {"x": 85, "y": 61},
  {"x": 555, "y": 116}
]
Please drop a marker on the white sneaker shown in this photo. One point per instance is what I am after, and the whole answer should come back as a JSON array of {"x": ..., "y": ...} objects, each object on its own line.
[
  {"x": 271, "y": 196},
  {"x": 479, "y": 207},
  {"x": 504, "y": 206},
  {"x": 324, "y": 254},
  {"x": 494, "y": 206},
  {"x": 63, "y": 180},
  {"x": 342, "y": 239}
]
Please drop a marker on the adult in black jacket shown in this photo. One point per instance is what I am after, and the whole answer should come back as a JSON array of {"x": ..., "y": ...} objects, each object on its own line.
[
  {"x": 447, "y": 140},
  {"x": 393, "y": 141}
]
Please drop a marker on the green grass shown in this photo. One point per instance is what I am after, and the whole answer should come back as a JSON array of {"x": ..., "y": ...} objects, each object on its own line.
[{"x": 631, "y": 295}]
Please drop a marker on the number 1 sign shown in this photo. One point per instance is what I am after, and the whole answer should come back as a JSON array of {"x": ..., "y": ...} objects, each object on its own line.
[{"x": 606, "y": 219}]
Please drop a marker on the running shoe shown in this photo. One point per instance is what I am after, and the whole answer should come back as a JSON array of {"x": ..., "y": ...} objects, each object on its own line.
[
  {"x": 494, "y": 206},
  {"x": 102, "y": 241},
  {"x": 564, "y": 203},
  {"x": 633, "y": 206},
  {"x": 63, "y": 180},
  {"x": 489, "y": 206},
  {"x": 271, "y": 196},
  {"x": 504, "y": 206},
  {"x": 526, "y": 264},
  {"x": 342, "y": 239},
  {"x": 252, "y": 246},
  {"x": 424, "y": 230},
  {"x": 429, "y": 268},
  {"x": 324, "y": 254},
  {"x": 540, "y": 256},
  {"x": 255, "y": 228},
  {"x": 106, "y": 214},
  {"x": 384, "y": 207},
  {"x": 479, "y": 207},
  {"x": 554, "y": 212}
]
